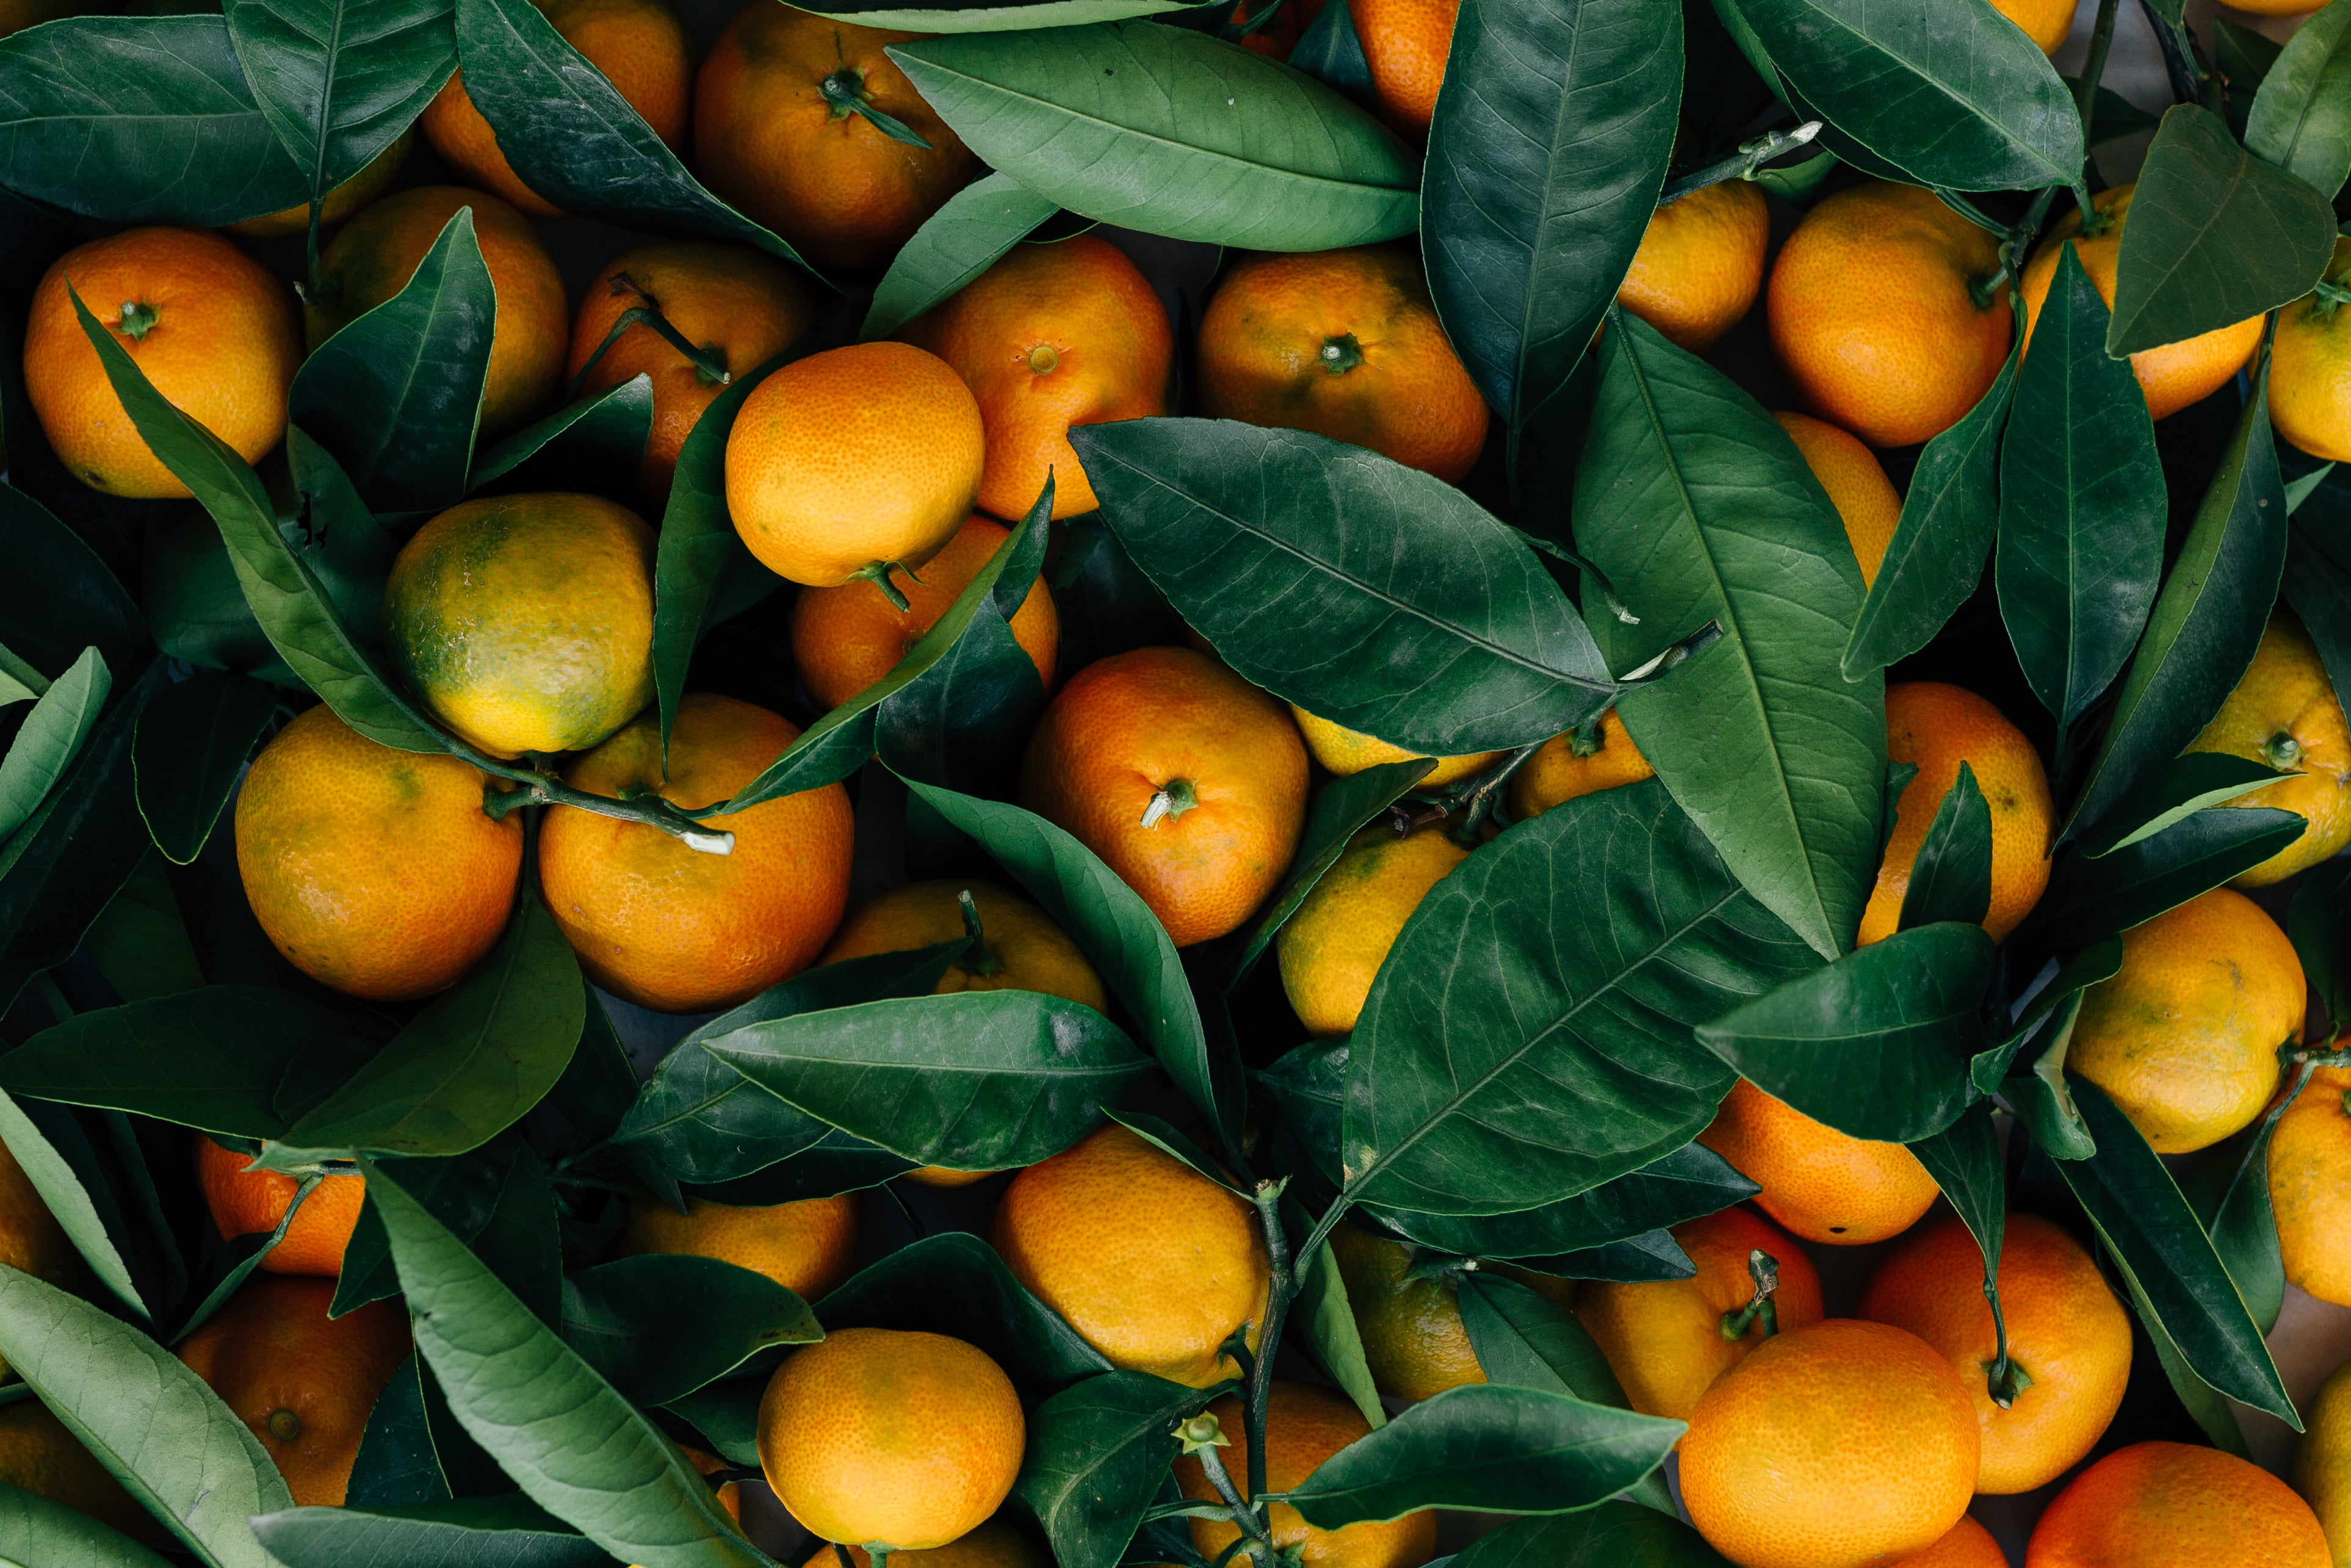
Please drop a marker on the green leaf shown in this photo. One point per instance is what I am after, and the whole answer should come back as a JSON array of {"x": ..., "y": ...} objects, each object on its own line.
[
  {"x": 189, "y": 750},
  {"x": 595, "y": 444},
  {"x": 2215, "y": 235},
  {"x": 1964, "y": 1159},
  {"x": 1691, "y": 1182},
  {"x": 1325, "y": 1319},
  {"x": 1332, "y": 52},
  {"x": 1408, "y": 611},
  {"x": 1341, "y": 809},
  {"x": 140, "y": 941},
  {"x": 395, "y": 1465},
  {"x": 2301, "y": 118},
  {"x": 506, "y": 1532},
  {"x": 1098, "y": 1451},
  {"x": 992, "y": 16},
  {"x": 2228, "y": 1189},
  {"x": 2179, "y": 789},
  {"x": 624, "y": 1316},
  {"x": 195, "y": 606},
  {"x": 1173, "y": 132},
  {"x": 1951, "y": 879},
  {"x": 2082, "y": 504},
  {"x": 35, "y": 1530},
  {"x": 835, "y": 1163},
  {"x": 1652, "y": 1255},
  {"x": 2319, "y": 923},
  {"x": 2206, "y": 1406},
  {"x": 2244, "y": 56},
  {"x": 339, "y": 80},
  {"x": 498, "y": 1200},
  {"x": 2088, "y": 899},
  {"x": 50, "y": 737},
  {"x": 963, "y": 239},
  {"x": 64, "y": 1196},
  {"x": 1614, "y": 1535},
  {"x": 726, "y": 1416},
  {"x": 1699, "y": 508},
  {"x": 953, "y": 1283},
  {"x": 1551, "y": 136},
  {"x": 60, "y": 598}
]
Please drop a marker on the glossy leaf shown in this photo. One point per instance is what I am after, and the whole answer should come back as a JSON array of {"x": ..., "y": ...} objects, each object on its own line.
[
  {"x": 2173, "y": 792},
  {"x": 978, "y": 225},
  {"x": 2301, "y": 117},
  {"x": 2043, "y": 1102},
  {"x": 498, "y": 1200},
  {"x": 2319, "y": 923},
  {"x": 35, "y": 1530},
  {"x": 64, "y": 1196},
  {"x": 1950, "y": 877},
  {"x": 1341, "y": 808},
  {"x": 339, "y": 80},
  {"x": 835, "y": 1163},
  {"x": 1691, "y": 1182},
  {"x": 1651, "y": 1256},
  {"x": 2205, "y": 1405},
  {"x": 1612, "y": 1535},
  {"x": 1098, "y": 1452},
  {"x": 51, "y": 737},
  {"x": 1332, "y": 52},
  {"x": 623, "y": 1317},
  {"x": 595, "y": 444},
  {"x": 508, "y": 1531},
  {"x": 189, "y": 751},
  {"x": 1964, "y": 1158},
  {"x": 2230, "y": 1191},
  {"x": 953, "y": 1283},
  {"x": 2087, "y": 899},
  {"x": 1324, "y": 1317}
]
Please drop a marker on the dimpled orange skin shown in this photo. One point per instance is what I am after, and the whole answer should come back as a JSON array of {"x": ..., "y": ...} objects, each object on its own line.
[
  {"x": 377, "y": 252},
  {"x": 223, "y": 350},
  {"x": 273, "y": 1350},
  {"x": 2065, "y": 1330},
  {"x": 1664, "y": 1338},
  {"x": 1937, "y": 728},
  {"x": 741, "y": 305},
  {"x": 1304, "y": 1425},
  {"x": 672, "y": 928},
  {"x": 1345, "y": 343},
  {"x": 2048, "y": 23},
  {"x": 1700, "y": 265},
  {"x": 1344, "y": 751},
  {"x": 1966, "y": 1545},
  {"x": 2172, "y": 376},
  {"x": 249, "y": 1202},
  {"x": 805, "y": 1247},
  {"x": 994, "y": 1545},
  {"x": 1871, "y": 313},
  {"x": 858, "y": 455},
  {"x": 1025, "y": 950},
  {"x": 1125, "y": 726},
  {"x": 1152, "y": 1264},
  {"x": 2310, "y": 1186},
  {"x": 1819, "y": 1184},
  {"x": 2310, "y": 369},
  {"x": 345, "y": 199},
  {"x": 1555, "y": 774},
  {"x": 2159, "y": 1505},
  {"x": 842, "y": 192},
  {"x": 1330, "y": 949},
  {"x": 883, "y": 1435},
  {"x": 39, "y": 1454},
  {"x": 847, "y": 637},
  {"x": 1051, "y": 336},
  {"x": 2285, "y": 696},
  {"x": 374, "y": 871},
  {"x": 1405, "y": 43},
  {"x": 1865, "y": 497}
]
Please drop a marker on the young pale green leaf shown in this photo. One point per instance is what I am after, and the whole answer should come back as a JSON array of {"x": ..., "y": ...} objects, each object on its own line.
[
  {"x": 595, "y": 444},
  {"x": 963, "y": 239},
  {"x": 623, "y": 1317},
  {"x": 1341, "y": 809},
  {"x": 1098, "y": 1452},
  {"x": 40, "y": 1533},
  {"x": 60, "y": 597},
  {"x": 2228, "y": 1189},
  {"x": 508, "y": 1531},
  {"x": 953, "y": 1283},
  {"x": 2178, "y": 790},
  {"x": 1171, "y": 131},
  {"x": 1950, "y": 878},
  {"x": 2319, "y": 923},
  {"x": 2301, "y": 117},
  {"x": 1687, "y": 1184},
  {"x": 991, "y": 16},
  {"x": 340, "y": 80},
  {"x": 51, "y": 737},
  {"x": 189, "y": 751},
  {"x": 2087, "y": 899},
  {"x": 1614, "y": 1535}
]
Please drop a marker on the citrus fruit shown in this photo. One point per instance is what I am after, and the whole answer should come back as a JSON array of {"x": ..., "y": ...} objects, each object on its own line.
[
  {"x": 1019, "y": 948},
  {"x": 1700, "y": 264},
  {"x": 2155, "y": 1505},
  {"x": 1937, "y": 728},
  {"x": 2172, "y": 376},
  {"x": 994, "y": 1545},
  {"x": 39, "y": 1454},
  {"x": 1864, "y": 496},
  {"x": 2066, "y": 1333},
  {"x": 1874, "y": 313},
  {"x": 378, "y": 252},
  {"x": 1408, "y": 1309},
  {"x": 1561, "y": 770},
  {"x": 2284, "y": 714},
  {"x": 303, "y": 1382},
  {"x": 1967, "y": 1545},
  {"x": 1345, "y": 343},
  {"x": 245, "y": 1202},
  {"x": 1668, "y": 1340},
  {"x": 1051, "y": 336},
  {"x": 641, "y": 47},
  {"x": 805, "y": 1247},
  {"x": 670, "y": 927},
  {"x": 2310, "y": 369},
  {"x": 1153, "y": 1264},
  {"x": 372, "y": 181},
  {"x": 882, "y": 1434},
  {"x": 2310, "y": 1186},
  {"x": 2321, "y": 1466},
  {"x": 374, "y": 871},
  {"x": 1344, "y": 751},
  {"x": 1304, "y": 1426},
  {"x": 525, "y": 622},
  {"x": 1818, "y": 1183},
  {"x": 846, "y": 637},
  {"x": 739, "y": 307},
  {"x": 2047, "y": 23},
  {"x": 1187, "y": 781},
  {"x": 31, "y": 1239},
  {"x": 857, "y": 455},
  {"x": 778, "y": 131},
  {"x": 1277, "y": 36},
  {"x": 1405, "y": 44},
  {"x": 1335, "y": 943},
  {"x": 213, "y": 331},
  {"x": 1836, "y": 1446},
  {"x": 2185, "y": 1037}
]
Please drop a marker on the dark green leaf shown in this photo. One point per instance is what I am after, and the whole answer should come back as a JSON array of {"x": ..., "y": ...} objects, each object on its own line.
[
  {"x": 140, "y": 941},
  {"x": 2301, "y": 118},
  {"x": 339, "y": 80},
  {"x": 197, "y": 609},
  {"x": 51, "y": 737},
  {"x": 1687, "y": 1184},
  {"x": 991, "y": 16},
  {"x": 595, "y": 444},
  {"x": 1341, "y": 809},
  {"x": 1951, "y": 879},
  {"x": 1614, "y": 1535},
  {"x": 1964, "y": 1160},
  {"x": 1169, "y": 1140},
  {"x": 1325, "y": 1319},
  {"x": 726, "y": 1414},
  {"x": 2228, "y": 1189},
  {"x": 624, "y": 1317},
  {"x": 498, "y": 1200},
  {"x": 953, "y": 1283},
  {"x": 835, "y": 1163},
  {"x": 2244, "y": 55},
  {"x": 2116, "y": 116},
  {"x": 2087, "y": 899},
  {"x": 189, "y": 750},
  {"x": 1332, "y": 52},
  {"x": 64, "y": 1195},
  {"x": 594, "y": 1093},
  {"x": 60, "y": 597},
  {"x": 963, "y": 239},
  {"x": 2319, "y": 922},
  {"x": 2318, "y": 587},
  {"x": 506, "y": 1532},
  {"x": 2179, "y": 789},
  {"x": 2039, "y": 1097},
  {"x": 35, "y": 1530},
  {"x": 396, "y": 1465},
  {"x": 1653, "y": 1254},
  {"x": 2206, "y": 1406},
  {"x": 1097, "y": 1454}
]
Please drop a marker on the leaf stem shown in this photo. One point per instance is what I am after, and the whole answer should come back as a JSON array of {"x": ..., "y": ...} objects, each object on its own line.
[
  {"x": 1267, "y": 1197},
  {"x": 1742, "y": 164}
]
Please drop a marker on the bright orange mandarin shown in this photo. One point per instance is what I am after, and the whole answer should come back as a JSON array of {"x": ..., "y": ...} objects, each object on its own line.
[
  {"x": 1344, "y": 751},
  {"x": 994, "y": 1545},
  {"x": 1821, "y": 1185},
  {"x": 373, "y": 178},
  {"x": 847, "y": 637},
  {"x": 2310, "y": 369},
  {"x": 249, "y": 1202},
  {"x": 1866, "y": 498},
  {"x": 740, "y": 306},
  {"x": 1872, "y": 313},
  {"x": 2158, "y": 1505},
  {"x": 1304, "y": 1425},
  {"x": 1968, "y": 1545},
  {"x": 1051, "y": 336},
  {"x": 1700, "y": 264},
  {"x": 38, "y": 1453},
  {"x": 2310, "y": 1186},
  {"x": 1556, "y": 773},
  {"x": 2047, "y": 23},
  {"x": 1345, "y": 343},
  {"x": 1129, "y": 738},
  {"x": 212, "y": 329},
  {"x": 1020, "y": 950},
  {"x": 806, "y": 1247},
  {"x": 1405, "y": 43},
  {"x": 672, "y": 928},
  {"x": 374, "y": 871}
]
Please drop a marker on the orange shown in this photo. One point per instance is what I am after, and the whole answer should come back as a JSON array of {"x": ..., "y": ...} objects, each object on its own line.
[
  {"x": 644, "y": 51},
  {"x": 525, "y": 622},
  {"x": 1051, "y": 336},
  {"x": 1345, "y": 343},
  {"x": 1333, "y": 947},
  {"x": 2185, "y": 1039},
  {"x": 1838, "y": 1446},
  {"x": 374, "y": 871},
  {"x": 1405, "y": 43},
  {"x": 2066, "y": 1333},
  {"x": 1153, "y": 1264},
  {"x": 1820, "y": 1184},
  {"x": 1187, "y": 781},
  {"x": 377, "y": 252},
  {"x": 2172, "y": 376},
  {"x": 853, "y": 458},
  {"x": 740, "y": 306},
  {"x": 806, "y": 1247},
  {"x": 30, "y": 1237},
  {"x": 2284, "y": 714},
  {"x": 1020, "y": 950},
  {"x": 1344, "y": 751},
  {"x": 1700, "y": 264},
  {"x": 1304, "y": 1426},
  {"x": 775, "y": 132},
  {"x": 214, "y": 333},
  {"x": 2155, "y": 1505},
  {"x": 1968, "y": 1545},
  {"x": 883, "y": 1436},
  {"x": 2310, "y": 369},
  {"x": 1410, "y": 1321},
  {"x": 1557, "y": 772},
  {"x": 2048, "y": 23},
  {"x": 673, "y": 928},
  {"x": 2310, "y": 1186},
  {"x": 1668, "y": 1340},
  {"x": 373, "y": 178},
  {"x": 1864, "y": 496},
  {"x": 248, "y": 1202},
  {"x": 38, "y": 1453},
  {"x": 2321, "y": 1466},
  {"x": 1873, "y": 312},
  {"x": 1278, "y": 37},
  {"x": 994, "y": 1545},
  {"x": 304, "y": 1381},
  {"x": 849, "y": 636},
  {"x": 1937, "y": 728}
]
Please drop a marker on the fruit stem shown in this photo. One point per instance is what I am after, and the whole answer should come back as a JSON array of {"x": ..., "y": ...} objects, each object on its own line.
[
  {"x": 2284, "y": 751},
  {"x": 1584, "y": 739},
  {"x": 978, "y": 960},
  {"x": 1213, "y": 1464},
  {"x": 2093, "y": 67},
  {"x": 1764, "y": 1269},
  {"x": 877, "y": 1555},
  {"x": 1267, "y": 1197},
  {"x": 1173, "y": 799},
  {"x": 1742, "y": 164},
  {"x": 137, "y": 319},
  {"x": 1475, "y": 797},
  {"x": 2327, "y": 298},
  {"x": 877, "y": 572},
  {"x": 845, "y": 90},
  {"x": 1340, "y": 354},
  {"x": 544, "y": 789},
  {"x": 709, "y": 361}
]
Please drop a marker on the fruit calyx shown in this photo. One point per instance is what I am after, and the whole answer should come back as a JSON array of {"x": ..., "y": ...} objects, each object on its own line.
[
  {"x": 138, "y": 318},
  {"x": 1171, "y": 799},
  {"x": 1764, "y": 1269},
  {"x": 1340, "y": 354}
]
